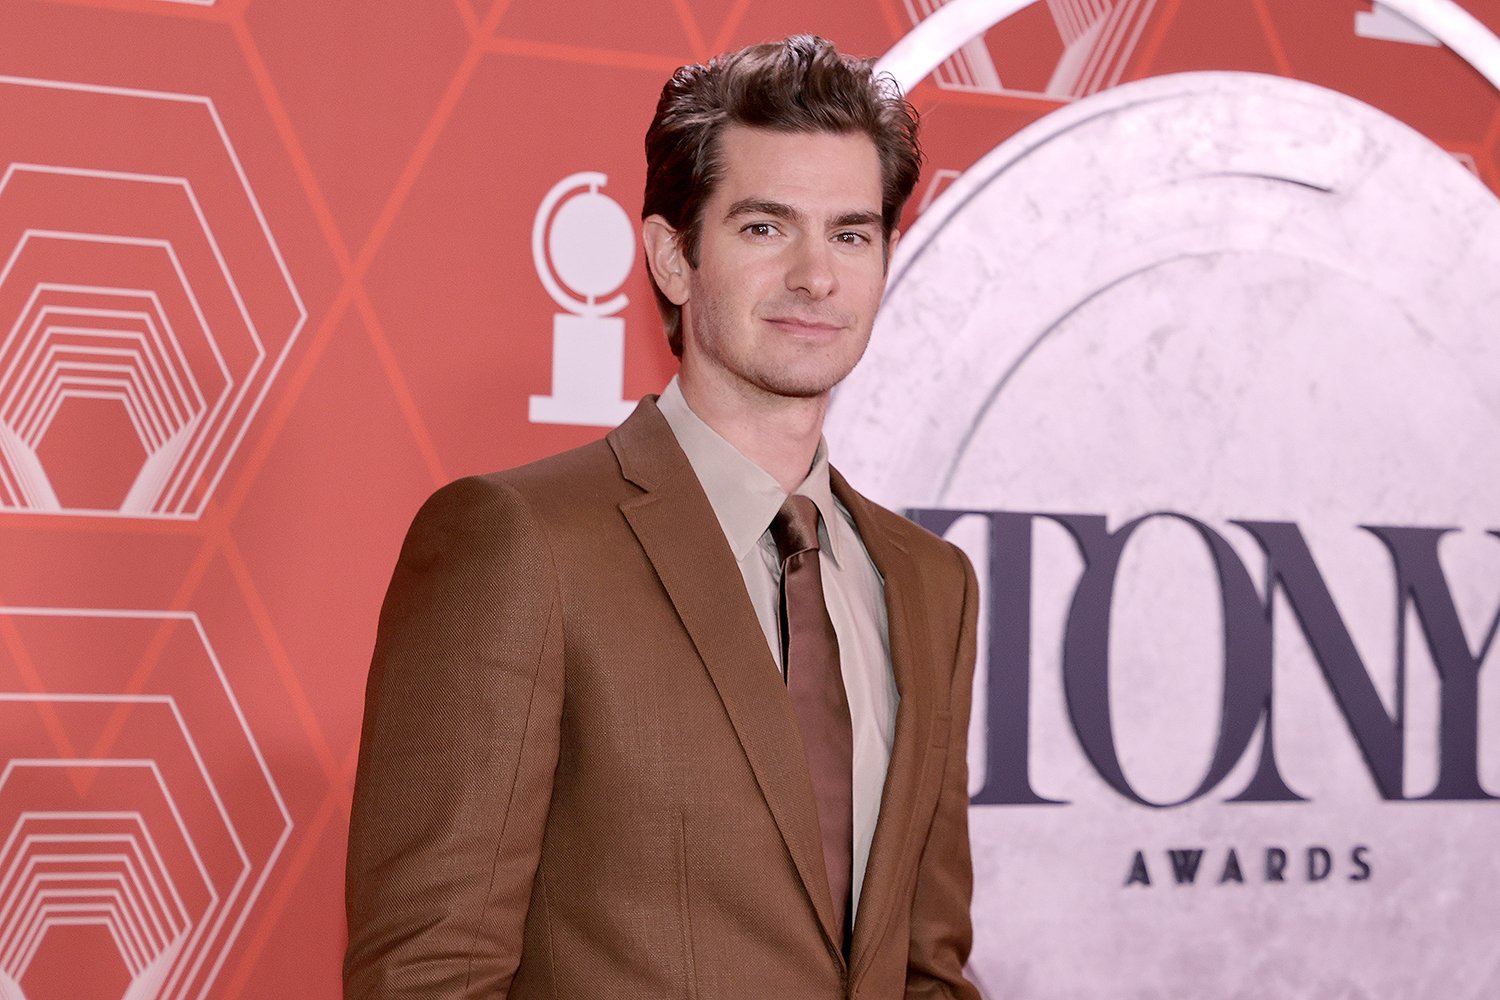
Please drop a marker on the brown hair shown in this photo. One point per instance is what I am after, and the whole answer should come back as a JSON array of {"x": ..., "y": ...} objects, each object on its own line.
[{"x": 799, "y": 84}]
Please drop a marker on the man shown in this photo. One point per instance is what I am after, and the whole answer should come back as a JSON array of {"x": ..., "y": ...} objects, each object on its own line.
[{"x": 680, "y": 714}]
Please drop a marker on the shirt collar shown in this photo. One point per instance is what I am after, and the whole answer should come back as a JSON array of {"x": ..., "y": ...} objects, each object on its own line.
[{"x": 744, "y": 497}]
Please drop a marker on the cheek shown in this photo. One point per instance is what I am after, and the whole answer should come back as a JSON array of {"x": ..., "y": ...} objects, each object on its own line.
[
  {"x": 869, "y": 291},
  {"x": 866, "y": 273}
]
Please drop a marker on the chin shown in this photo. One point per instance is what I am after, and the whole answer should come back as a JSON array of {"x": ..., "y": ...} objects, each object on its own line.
[
  {"x": 800, "y": 385},
  {"x": 806, "y": 374}
]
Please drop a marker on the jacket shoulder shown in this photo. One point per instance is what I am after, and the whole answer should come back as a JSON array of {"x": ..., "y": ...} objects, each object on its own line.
[
  {"x": 566, "y": 472},
  {"x": 474, "y": 508}
]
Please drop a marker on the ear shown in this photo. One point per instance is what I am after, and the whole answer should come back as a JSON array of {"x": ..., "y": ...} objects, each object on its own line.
[
  {"x": 890, "y": 248},
  {"x": 664, "y": 258}
]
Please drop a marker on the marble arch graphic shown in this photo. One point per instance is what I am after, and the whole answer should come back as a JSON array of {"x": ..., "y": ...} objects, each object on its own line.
[{"x": 1227, "y": 296}]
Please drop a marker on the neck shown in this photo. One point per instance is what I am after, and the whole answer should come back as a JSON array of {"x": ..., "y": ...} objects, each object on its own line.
[{"x": 778, "y": 433}]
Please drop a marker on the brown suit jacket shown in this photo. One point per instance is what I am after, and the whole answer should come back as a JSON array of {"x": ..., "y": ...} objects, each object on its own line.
[{"x": 581, "y": 776}]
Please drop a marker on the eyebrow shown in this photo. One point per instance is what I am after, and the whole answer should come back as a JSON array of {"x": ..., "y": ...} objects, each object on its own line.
[
  {"x": 762, "y": 206},
  {"x": 859, "y": 219},
  {"x": 781, "y": 210}
]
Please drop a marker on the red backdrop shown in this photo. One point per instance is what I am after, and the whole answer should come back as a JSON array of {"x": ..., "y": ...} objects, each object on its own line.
[{"x": 269, "y": 282}]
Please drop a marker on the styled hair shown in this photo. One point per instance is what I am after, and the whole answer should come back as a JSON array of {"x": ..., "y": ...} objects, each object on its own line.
[{"x": 799, "y": 84}]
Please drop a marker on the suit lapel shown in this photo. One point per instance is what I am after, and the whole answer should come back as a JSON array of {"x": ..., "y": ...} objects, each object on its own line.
[
  {"x": 915, "y": 715},
  {"x": 677, "y": 529}
]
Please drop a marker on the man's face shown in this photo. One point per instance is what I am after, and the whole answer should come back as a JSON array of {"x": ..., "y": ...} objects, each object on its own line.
[{"x": 791, "y": 264}]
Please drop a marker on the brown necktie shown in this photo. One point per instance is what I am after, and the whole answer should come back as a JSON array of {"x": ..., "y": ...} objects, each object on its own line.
[{"x": 810, "y": 657}]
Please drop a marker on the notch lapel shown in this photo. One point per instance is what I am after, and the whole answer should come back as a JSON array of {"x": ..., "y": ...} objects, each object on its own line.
[
  {"x": 892, "y": 848},
  {"x": 677, "y": 529}
]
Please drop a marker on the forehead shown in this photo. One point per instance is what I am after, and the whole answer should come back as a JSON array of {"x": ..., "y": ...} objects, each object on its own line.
[{"x": 813, "y": 169}]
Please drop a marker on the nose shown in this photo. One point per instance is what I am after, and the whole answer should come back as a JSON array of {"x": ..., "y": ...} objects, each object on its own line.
[{"x": 810, "y": 269}]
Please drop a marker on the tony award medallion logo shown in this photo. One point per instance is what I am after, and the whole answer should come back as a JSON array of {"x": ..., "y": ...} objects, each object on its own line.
[{"x": 584, "y": 245}]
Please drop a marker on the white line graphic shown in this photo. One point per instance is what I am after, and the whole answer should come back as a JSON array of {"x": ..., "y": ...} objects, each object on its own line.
[
  {"x": 1098, "y": 38},
  {"x": 208, "y": 258},
  {"x": 173, "y": 875}
]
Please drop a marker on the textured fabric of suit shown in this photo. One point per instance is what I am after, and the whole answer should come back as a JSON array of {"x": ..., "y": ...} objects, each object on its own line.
[{"x": 581, "y": 776}]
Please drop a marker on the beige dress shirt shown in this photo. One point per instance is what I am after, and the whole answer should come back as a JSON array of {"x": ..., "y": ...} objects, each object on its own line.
[{"x": 745, "y": 498}]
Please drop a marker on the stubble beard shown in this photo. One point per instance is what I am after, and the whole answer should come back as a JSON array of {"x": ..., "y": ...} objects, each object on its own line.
[{"x": 803, "y": 374}]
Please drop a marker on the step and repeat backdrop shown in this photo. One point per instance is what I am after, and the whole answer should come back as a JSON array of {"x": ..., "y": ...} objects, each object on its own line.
[{"x": 1192, "y": 342}]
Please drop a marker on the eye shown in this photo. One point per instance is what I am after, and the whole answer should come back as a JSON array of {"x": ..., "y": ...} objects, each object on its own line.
[
  {"x": 852, "y": 238},
  {"x": 760, "y": 230}
]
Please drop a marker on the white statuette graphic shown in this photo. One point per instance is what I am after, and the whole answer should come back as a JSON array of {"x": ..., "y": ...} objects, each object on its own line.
[{"x": 583, "y": 246}]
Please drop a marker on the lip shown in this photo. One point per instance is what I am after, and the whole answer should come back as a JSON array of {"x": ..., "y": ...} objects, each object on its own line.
[{"x": 806, "y": 327}]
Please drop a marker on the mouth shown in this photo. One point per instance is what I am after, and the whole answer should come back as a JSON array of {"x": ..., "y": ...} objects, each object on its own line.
[{"x": 806, "y": 326}]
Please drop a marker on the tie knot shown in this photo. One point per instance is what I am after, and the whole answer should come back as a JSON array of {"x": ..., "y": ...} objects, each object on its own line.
[{"x": 795, "y": 527}]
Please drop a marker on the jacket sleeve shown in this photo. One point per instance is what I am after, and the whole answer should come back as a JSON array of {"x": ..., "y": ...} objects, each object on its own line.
[
  {"x": 459, "y": 744},
  {"x": 941, "y": 928}
]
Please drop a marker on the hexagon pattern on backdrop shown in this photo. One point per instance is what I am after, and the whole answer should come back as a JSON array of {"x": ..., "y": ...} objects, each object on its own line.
[
  {"x": 271, "y": 271},
  {"x": 131, "y": 229}
]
